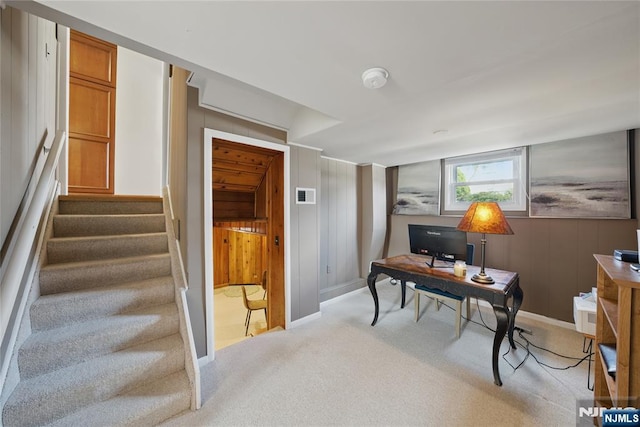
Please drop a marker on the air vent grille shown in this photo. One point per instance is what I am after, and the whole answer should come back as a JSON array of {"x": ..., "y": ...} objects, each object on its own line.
[{"x": 305, "y": 196}]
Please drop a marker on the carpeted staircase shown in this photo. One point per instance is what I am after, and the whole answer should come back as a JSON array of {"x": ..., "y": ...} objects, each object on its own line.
[{"x": 105, "y": 347}]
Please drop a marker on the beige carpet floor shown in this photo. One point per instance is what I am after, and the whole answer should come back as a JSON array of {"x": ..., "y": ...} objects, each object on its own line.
[{"x": 340, "y": 371}]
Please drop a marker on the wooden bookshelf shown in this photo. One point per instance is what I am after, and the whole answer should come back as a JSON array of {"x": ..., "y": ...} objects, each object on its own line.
[{"x": 618, "y": 323}]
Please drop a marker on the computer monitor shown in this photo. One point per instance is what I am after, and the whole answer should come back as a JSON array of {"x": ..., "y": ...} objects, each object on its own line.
[{"x": 439, "y": 242}]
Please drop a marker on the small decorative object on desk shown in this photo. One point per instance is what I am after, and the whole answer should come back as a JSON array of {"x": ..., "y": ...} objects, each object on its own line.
[{"x": 460, "y": 268}]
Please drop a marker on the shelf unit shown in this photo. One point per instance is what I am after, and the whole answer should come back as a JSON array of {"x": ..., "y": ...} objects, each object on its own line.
[{"x": 618, "y": 323}]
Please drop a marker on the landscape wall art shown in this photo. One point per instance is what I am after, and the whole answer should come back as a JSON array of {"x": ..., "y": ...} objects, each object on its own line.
[
  {"x": 418, "y": 189},
  {"x": 581, "y": 178}
]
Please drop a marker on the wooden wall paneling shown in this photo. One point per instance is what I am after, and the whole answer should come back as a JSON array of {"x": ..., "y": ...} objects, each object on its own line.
[
  {"x": 340, "y": 232},
  {"x": 250, "y": 158},
  {"x": 235, "y": 180},
  {"x": 518, "y": 253},
  {"x": 342, "y": 245},
  {"x": 254, "y": 255},
  {"x": 351, "y": 208},
  {"x": 586, "y": 246},
  {"x": 307, "y": 255},
  {"x": 232, "y": 204},
  {"x": 260, "y": 200},
  {"x": 28, "y": 77},
  {"x": 220, "y": 256},
  {"x": 238, "y": 167},
  {"x": 553, "y": 256},
  {"x": 295, "y": 242},
  {"x": 563, "y": 266},
  {"x": 235, "y": 257},
  {"x": 324, "y": 226},
  {"x": 249, "y": 258},
  {"x": 332, "y": 236},
  {"x": 540, "y": 289}
]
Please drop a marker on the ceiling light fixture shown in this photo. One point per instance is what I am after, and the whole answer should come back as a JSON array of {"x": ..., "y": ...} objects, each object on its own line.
[{"x": 375, "y": 78}]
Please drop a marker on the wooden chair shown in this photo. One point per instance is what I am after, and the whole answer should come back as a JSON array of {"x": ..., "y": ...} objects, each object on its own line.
[{"x": 252, "y": 305}]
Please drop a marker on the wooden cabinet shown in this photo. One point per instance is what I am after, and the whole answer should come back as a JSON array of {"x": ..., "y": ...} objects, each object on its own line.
[
  {"x": 92, "y": 119},
  {"x": 618, "y": 324}
]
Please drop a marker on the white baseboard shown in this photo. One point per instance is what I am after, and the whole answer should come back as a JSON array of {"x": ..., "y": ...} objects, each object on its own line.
[
  {"x": 305, "y": 319},
  {"x": 534, "y": 316},
  {"x": 483, "y": 304},
  {"x": 348, "y": 294},
  {"x": 205, "y": 360},
  {"x": 525, "y": 314}
]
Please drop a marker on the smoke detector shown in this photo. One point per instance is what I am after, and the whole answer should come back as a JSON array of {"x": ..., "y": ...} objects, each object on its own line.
[{"x": 375, "y": 78}]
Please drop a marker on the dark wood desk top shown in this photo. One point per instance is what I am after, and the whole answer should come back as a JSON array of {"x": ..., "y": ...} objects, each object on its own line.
[{"x": 416, "y": 265}]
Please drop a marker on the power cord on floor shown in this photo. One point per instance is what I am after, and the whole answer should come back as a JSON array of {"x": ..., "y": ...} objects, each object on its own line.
[{"x": 526, "y": 347}]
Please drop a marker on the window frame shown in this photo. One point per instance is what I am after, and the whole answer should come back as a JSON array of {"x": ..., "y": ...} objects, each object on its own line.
[{"x": 519, "y": 205}]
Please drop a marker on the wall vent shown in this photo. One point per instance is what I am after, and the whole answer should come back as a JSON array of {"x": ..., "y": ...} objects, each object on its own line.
[{"x": 305, "y": 196}]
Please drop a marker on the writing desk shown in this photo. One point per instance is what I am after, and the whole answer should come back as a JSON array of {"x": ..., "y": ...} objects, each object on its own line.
[{"x": 413, "y": 268}]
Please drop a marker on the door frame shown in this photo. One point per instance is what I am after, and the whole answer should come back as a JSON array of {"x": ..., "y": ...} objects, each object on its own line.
[{"x": 209, "y": 134}]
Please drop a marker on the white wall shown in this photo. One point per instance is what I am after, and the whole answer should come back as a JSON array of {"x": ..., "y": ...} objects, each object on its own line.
[
  {"x": 28, "y": 77},
  {"x": 139, "y": 129}
]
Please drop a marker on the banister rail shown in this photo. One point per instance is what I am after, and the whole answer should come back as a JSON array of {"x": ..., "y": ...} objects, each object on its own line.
[{"x": 19, "y": 257}]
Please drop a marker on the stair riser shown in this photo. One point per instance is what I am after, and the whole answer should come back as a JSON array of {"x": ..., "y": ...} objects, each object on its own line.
[
  {"x": 59, "y": 251},
  {"x": 39, "y": 359},
  {"x": 171, "y": 396},
  {"x": 49, "y": 313},
  {"x": 88, "y": 384},
  {"x": 77, "y": 226},
  {"x": 87, "y": 277},
  {"x": 91, "y": 207}
]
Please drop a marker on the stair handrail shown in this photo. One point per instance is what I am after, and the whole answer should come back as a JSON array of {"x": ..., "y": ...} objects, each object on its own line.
[{"x": 19, "y": 256}]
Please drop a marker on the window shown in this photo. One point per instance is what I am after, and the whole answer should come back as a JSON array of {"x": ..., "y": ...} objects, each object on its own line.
[{"x": 498, "y": 176}]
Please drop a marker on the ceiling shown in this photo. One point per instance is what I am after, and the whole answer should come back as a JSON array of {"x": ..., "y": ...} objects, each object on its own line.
[
  {"x": 465, "y": 77},
  {"x": 239, "y": 167}
]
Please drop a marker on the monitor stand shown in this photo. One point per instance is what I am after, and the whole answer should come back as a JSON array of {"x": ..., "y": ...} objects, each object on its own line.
[{"x": 433, "y": 259}]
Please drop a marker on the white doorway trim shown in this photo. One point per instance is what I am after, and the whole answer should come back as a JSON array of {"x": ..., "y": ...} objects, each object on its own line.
[{"x": 209, "y": 134}]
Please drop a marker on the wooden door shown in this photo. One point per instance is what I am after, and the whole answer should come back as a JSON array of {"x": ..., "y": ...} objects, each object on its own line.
[
  {"x": 92, "y": 107},
  {"x": 275, "y": 243}
]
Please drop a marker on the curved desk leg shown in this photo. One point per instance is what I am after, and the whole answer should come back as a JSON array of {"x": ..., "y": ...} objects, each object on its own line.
[
  {"x": 502, "y": 316},
  {"x": 403, "y": 287},
  {"x": 517, "y": 301},
  {"x": 371, "y": 282}
]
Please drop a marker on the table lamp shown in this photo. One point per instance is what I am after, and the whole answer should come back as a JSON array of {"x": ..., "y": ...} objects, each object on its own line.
[{"x": 484, "y": 217}]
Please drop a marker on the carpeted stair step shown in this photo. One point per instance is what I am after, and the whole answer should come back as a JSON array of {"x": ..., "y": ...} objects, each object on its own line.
[
  {"x": 106, "y": 225},
  {"x": 74, "y": 276},
  {"x": 144, "y": 406},
  {"x": 71, "y": 249},
  {"x": 56, "y": 310},
  {"x": 50, "y": 350},
  {"x": 48, "y": 397},
  {"x": 109, "y": 205}
]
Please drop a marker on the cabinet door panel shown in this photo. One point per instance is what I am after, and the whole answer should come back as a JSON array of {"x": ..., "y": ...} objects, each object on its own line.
[
  {"x": 88, "y": 164},
  {"x": 90, "y": 108},
  {"x": 93, "y": 59}
]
